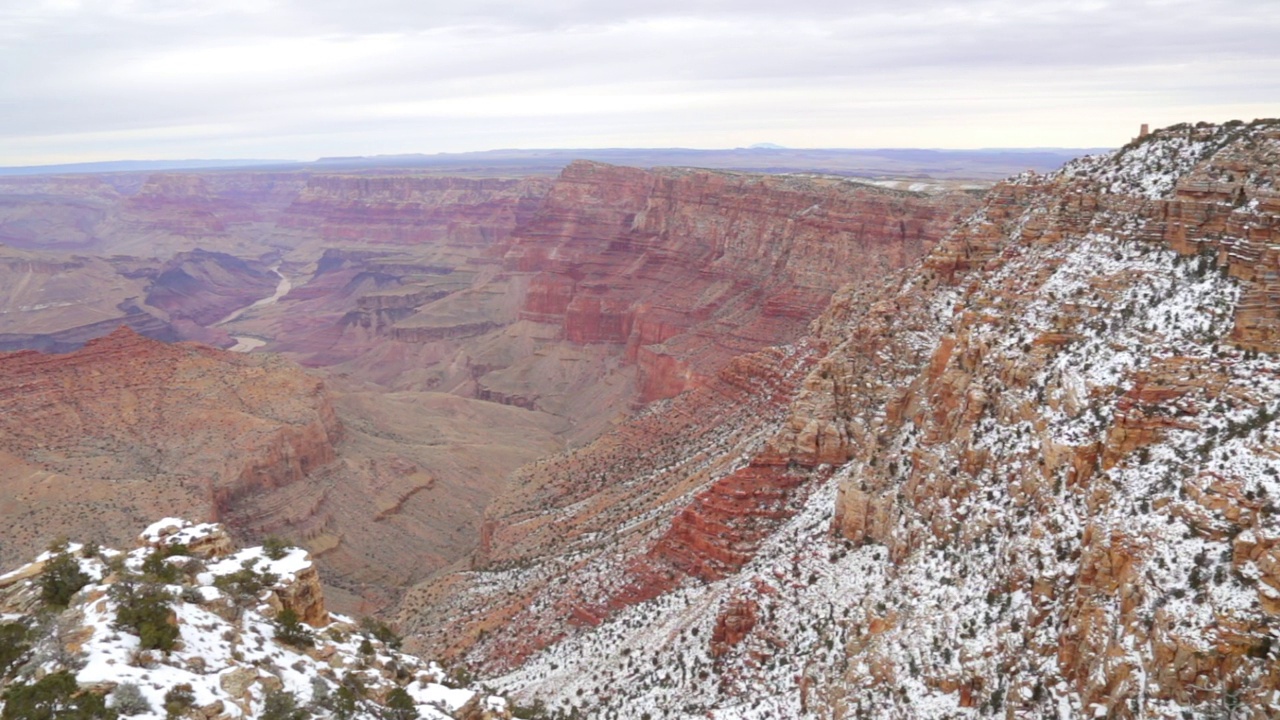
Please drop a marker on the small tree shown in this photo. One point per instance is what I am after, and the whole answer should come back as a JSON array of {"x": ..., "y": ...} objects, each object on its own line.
[
  {"x": 275, "y": 548},
  {"x": 245, "y": 585},
  {"x": 381, "y": 631},
  {"x": 291, "y": 631},
  {"x": 62, "y": 578},
  {"x": 400, "y": 706},
  {"x": 13, "y": 645},
  {"x": 144, "y": 610},
  {"x": 178, "y": 699}
]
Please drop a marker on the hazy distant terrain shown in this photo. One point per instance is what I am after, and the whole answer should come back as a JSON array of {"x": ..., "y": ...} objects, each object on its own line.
[{"x": 992, "y": 164}]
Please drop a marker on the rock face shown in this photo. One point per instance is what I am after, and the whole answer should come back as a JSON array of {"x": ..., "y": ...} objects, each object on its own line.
[
  {"x": 127, "y": 427},
  {"x": 1033, "y": 475},
  {"x": 52, "y": 301},
  {"x": 687, "y": 268},
  {"x": 621, "y": 284}
]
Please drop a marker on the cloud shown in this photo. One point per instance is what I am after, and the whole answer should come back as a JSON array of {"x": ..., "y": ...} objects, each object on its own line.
[{"x": 144, "y": 78}]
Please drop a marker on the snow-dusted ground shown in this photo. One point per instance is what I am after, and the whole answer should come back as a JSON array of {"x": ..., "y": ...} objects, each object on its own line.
[{"x": 221, "y": 645}]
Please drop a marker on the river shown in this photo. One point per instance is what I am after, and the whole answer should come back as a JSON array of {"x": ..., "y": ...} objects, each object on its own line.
[{"x": 245, "y": 343}]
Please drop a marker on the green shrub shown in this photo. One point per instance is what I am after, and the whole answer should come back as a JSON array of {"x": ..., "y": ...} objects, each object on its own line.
[
  {"x": 54, "y": 697},
  {"x": 275, "y": 548},
  {"x": 291, "y": 631},
  {"x": 178, "y": 699},
  {"x": 154, "y": 568},
  {"x": 400, "y": 706},
  {"x": 144, "y": 610},
  {"x": 282, "y": 705},
  {"x": 13, "y": 645},
  {"x": 381, "y": 631},
  {"x": 244, "y": 585},
  {"x": 62, "y": 578}
]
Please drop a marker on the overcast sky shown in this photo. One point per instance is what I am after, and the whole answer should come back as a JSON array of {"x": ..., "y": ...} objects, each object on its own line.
[{"x": 86, "y": 80}]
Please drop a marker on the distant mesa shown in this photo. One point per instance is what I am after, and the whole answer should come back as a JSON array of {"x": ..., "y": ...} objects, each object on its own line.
[{"x": 766, "y": 146}]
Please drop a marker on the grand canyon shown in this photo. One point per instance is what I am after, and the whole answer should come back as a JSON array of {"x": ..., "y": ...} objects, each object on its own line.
[{"x": 766, "y": 438}]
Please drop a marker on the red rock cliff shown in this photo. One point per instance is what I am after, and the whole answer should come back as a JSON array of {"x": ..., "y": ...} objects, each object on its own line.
[{"x": 688, "y": 268}]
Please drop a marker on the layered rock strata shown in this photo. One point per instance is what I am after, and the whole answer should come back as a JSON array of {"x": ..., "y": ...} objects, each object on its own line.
[
  {"x": 1034, "y": 475},
  {"x": 128, "y": 426}
]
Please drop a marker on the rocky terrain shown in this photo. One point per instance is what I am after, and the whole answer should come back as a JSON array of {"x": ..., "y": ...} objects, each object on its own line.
[
  {"x": 384, "y": 488},
  {"x": 1034, "y": 474},
  {"x": 187, "y": 626}
]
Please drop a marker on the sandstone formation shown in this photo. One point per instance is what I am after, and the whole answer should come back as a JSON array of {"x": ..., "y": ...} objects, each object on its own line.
[
  {"x": 688, "y": 268},
  {"x": 1034, "y": 475},
  {"x": 55, "y": 301},
  {"x": 407, "y": 210}
]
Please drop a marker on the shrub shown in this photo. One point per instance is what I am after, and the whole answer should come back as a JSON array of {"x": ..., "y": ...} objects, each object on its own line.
[
  {"x": 400, "y": 706},
  {"x": 275, "y": 548},
  {"x": 157, "y": 570},
  {"x": 144, "y": 610},
  {"x": 244, "y": 585},
  {"x": 56, "y": 695},
  {"x": 13, "y": 645},
  {"x": 178, "y": 699},
  {"x": 62, "y": 578},
  {"x": 381, "y": 632},
  {"x": 282, "y": 705},
  {"x": 129, "y": 700},
  {"x": 291, "y": 631}
]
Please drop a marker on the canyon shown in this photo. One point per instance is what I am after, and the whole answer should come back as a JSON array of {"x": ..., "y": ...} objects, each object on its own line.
[
  {"x": 455, "y": 329},
  {"x": 679, "y": 443}
]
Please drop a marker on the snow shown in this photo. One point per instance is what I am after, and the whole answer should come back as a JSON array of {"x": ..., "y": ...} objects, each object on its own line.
[
  {"x": 176, "y": 531},
  {"x": 218, "y": 639}
]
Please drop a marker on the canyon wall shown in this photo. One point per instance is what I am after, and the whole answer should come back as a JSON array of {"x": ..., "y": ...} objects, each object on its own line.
[
  {"x": 1033, "y": 475},
  {"x": 626, "y": 285},
  {"x": 408, "y": 210},
  {"x": 688, "y": 268},
  {"x": 128, "y": 428}
]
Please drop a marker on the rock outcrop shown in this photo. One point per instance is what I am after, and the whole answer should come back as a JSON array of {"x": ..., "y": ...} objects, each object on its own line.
[
  {"x": 187, "y": 625},
  {"x": 688, "y": 268}
]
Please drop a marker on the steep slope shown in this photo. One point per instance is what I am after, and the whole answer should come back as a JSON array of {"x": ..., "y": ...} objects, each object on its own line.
[
  {"x": 126, "y": 428},
  {"x": 187, "y": 626},
  {"x": 1034, "y": 475},
  {"x": 205, "y": 287}
]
